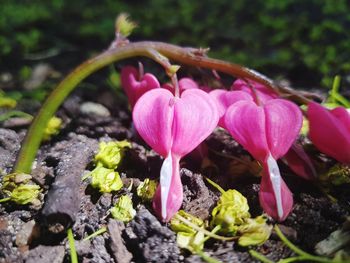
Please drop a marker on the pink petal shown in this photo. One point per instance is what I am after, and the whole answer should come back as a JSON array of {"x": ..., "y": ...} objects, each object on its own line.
[
  {"x": 134, "y": 88},
  {"x": 225, "y": 99},
  {"x": 343, "y": 115},
  {"x": 283, "y": 123},
  {"x": 264, "y": 93},
  {"x": 246, "y": 122},
  {"x": 329, "y": 131},
  {"x": 184, "y": 84},
  {"x": 195, "y": 118},
  {"x": 168, "y": 198},
  {"x": 153, "y": 117},
  {"x": 275, "y": 197},
  {"x": 187, "y": 83},
  {"x": 299, "y": 162}
]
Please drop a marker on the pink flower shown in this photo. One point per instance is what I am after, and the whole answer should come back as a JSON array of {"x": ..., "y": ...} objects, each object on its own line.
[
  {"x": 299, "y": 162},
  {"x": 184, "y": 84},
  {"x": 173, "y": 127},
  {"x": 134, "y": 85},
  {"x": 263, "y": 93},
  {"x": 267, "y": 132},
  {"x": 225, "y": 99},
  {"x": 330, "y": 131}
]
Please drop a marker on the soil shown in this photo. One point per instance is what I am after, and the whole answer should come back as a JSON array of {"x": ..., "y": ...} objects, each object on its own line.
[{"x": 38, "y": 233}]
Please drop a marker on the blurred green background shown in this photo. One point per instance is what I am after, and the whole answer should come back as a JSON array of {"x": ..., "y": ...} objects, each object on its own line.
[{"x": 307, "y": 42}]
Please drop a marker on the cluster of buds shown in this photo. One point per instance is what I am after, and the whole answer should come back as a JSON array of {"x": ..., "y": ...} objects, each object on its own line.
[{"x": 175, "y": 119}]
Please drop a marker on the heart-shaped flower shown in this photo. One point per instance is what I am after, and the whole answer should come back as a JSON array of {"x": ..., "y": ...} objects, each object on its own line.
[
  {"x": 262, "y": 92},
  {"x": 173, "y": 127},
  {"x": 330, "y": 131},
  {"x": 267, "y": 132},
  {"x": 134, "y": 85},
  {"x": 225, "y": 99}
]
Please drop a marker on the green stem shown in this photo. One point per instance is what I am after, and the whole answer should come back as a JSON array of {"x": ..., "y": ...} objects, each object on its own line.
[
  {"x": 3, "y": 200},
  {"x": 260, "y": 257},
  {"x": 206, "y": 232},
  {"x": 218, "y": 187},
  {"x": 303, "y": 256},
  {"x": 206, "y": 257},
  {"x": 73, "y": 252},
  {"x": 188, "y": 56},
  {"x": 96, "y": 233},
  {"x": 290, "y": 244}
]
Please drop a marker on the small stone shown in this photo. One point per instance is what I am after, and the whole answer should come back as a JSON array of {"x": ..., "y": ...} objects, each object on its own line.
[
  {"x": 46, "y": 254},
  {"x": 27, "y": 233},
  {"x": 92, "y": 108},
  {"x": 117, "y": 246}
]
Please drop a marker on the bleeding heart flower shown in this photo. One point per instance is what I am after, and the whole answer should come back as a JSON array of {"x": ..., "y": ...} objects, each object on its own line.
[
  {"x": 173, "y": 127},
  {"x": 330, "y": 131},
  {"x": 184, "y": 84},
  {"x": 263, "y": 93},
  {"x": 225, "y": 99},
  {"x": 267, "y": 132},
  {"x": 135, "y": 86},
  {"x": 299, "y": 162}
]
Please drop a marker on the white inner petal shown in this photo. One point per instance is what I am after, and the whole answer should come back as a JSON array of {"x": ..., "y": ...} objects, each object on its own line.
[
  {"x": 275, "y": 177},
  {"x": 165, "y": 181}
]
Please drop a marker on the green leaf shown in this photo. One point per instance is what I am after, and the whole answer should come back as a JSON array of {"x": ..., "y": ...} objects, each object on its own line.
[
  {"x": 25, "y": 193},
  {"x": 124, "y": 26},
  {"x": 254, "y": 232},
  {"x": 231, "y": 211},
  {"x": 106, "y": 180},
  {"x": 110, "y": 153},
  {"x": 178, "y": 226},
  {"x": 146, "y": 189},
  {"x": 123, "y": 210},
  {"x": 187, "y": 237}
]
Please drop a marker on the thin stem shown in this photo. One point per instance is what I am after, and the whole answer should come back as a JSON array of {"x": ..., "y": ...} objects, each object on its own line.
[
  {"x": 218, "y": 187},
  {"x": 96, "y": 233},
  {"x": 260, "y": 257},
  {"x": 290, "y": 244},
  {"x": 206, "y": 257},
  {"x": 176, "y": 85},
  {"x": 206, "y": 232},
  {"x": 73, "y": 252},
  {"x": 187, "y": 56},
  {"x": 335, "y": 87},
  {"x": 3, "y": 200}
]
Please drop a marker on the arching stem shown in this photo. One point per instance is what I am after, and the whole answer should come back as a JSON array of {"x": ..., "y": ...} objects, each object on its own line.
[{"x": 187, "y": 56}]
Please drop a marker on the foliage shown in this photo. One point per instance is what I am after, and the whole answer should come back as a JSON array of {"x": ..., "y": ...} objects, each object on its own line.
[
  {"x": 20, "y": 189},
  {"x": 299, "y": 37},
  {"x": 110, "y": 153},
  {"x": 123, "y": 209},
  {"x": 106, "y": 180}
]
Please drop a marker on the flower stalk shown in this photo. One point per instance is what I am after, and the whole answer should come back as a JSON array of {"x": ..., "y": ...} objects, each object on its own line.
[{"x": 186, "y": 56}]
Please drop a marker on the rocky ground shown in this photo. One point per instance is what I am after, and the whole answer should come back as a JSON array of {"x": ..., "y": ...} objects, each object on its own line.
[{"x": 38, "y": 233}]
